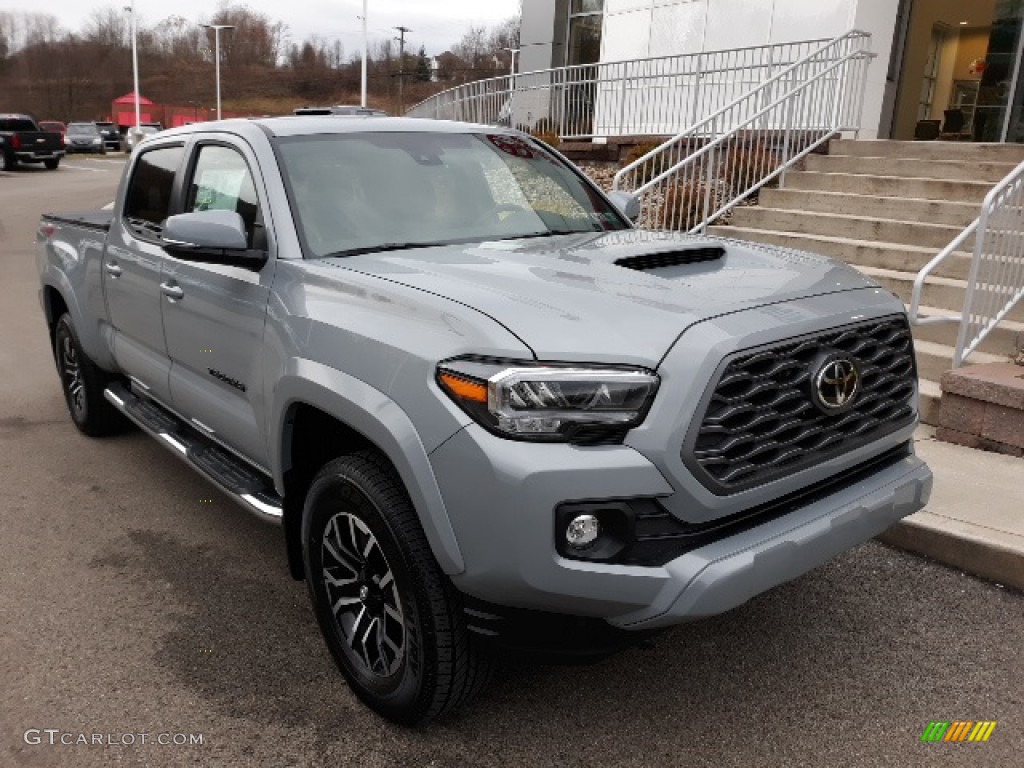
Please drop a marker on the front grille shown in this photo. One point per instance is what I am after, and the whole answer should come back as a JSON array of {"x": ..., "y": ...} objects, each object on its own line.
[{"x": 760, "y": 420}]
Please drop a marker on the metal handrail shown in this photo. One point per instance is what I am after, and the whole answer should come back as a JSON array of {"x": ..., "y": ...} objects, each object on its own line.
[
  {"x": 651, "y": 96},
  {"x": 706, "y": 170},
  {"x": 995, "y": 283}
]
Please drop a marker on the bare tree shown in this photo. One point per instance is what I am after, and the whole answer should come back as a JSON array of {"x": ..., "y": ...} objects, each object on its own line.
[{"x": 110, "y": 27}]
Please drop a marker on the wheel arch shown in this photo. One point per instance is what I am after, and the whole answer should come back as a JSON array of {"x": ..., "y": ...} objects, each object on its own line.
[
  {"x": 58, "y": 295},
  {"x": 320, "y": 413},
  {"x": 54, "y": 305}
]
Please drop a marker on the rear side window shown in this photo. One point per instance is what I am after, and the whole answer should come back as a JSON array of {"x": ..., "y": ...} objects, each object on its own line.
[
  {"x": 148, "y": 200},
  {"x": 222, "y": 182},
  {"x": 16, "y": 124}
]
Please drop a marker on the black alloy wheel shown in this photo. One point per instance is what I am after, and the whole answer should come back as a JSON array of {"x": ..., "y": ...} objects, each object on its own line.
[{"x": 389, "y": 615}]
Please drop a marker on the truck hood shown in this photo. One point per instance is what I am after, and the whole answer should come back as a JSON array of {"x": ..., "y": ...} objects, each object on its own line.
[{"x": 567, "y": 299}]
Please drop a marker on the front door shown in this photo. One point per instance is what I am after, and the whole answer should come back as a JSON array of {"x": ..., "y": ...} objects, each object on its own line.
[
  {"x": 132, "y": 265},
  {"x": 214, "y": 324}
]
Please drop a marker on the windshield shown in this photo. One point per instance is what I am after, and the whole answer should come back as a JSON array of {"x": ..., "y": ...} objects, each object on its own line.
[
  {"x": 356, "y": 192},
  {"x": 85, "y": 128}
]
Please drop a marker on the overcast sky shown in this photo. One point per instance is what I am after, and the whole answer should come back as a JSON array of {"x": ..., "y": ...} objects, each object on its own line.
[{"x": 437, "y": 24}]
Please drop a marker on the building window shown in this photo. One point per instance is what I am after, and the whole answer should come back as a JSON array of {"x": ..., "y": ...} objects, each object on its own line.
[
  {"x": 931, "y": 73},
  {"x": 584, "y": 43}
]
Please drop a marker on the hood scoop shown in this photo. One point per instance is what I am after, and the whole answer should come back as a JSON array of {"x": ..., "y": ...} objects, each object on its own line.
[{"x": 652, "y": 261}]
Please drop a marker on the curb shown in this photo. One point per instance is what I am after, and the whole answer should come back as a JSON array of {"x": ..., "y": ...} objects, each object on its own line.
[{"x": 971, "y": 548}]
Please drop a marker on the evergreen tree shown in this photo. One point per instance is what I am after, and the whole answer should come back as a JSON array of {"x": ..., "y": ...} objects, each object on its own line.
[{"x": 422, "y": 66}]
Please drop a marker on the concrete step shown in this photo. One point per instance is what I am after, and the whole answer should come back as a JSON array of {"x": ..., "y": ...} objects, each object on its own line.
[
  {"x": 935, "y": 359},
  {"x": 930, "y": 150},
  {"x": 889, "y": 186},
  {"x": 895, "y": 256},
  {"x": 943, "y": 293},
  {"x": 950, "y": 170},
  {"x": 878, "y": 230},
  {"x": 931, "y": 397},
  {"x": 957, "y": 215},
  {"x": 583, "y": 151},
  {"x": 1003, "y": 339}
]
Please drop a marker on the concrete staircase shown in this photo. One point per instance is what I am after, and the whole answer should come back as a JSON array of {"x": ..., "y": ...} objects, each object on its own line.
[{"x": 887, "y": 208}]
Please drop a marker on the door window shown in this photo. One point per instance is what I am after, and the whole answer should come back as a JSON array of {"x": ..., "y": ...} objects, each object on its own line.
[
  {"x": 222, "y": 182},
  {"x": 148, "y": 200}
]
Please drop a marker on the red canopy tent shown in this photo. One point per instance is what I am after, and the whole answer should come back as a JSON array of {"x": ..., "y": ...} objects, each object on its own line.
[{"x": 122, "y": 110}]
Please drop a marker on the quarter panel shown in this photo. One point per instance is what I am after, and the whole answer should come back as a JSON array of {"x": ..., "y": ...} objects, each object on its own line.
[{"x": 70, "y": 261}]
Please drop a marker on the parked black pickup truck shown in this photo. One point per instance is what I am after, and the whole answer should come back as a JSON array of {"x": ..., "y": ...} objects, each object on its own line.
[{"x": 21, "y": 141}]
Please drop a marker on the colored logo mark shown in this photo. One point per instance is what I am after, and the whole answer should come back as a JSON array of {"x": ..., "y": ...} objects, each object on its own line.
[{"x": 958, "y": 730}]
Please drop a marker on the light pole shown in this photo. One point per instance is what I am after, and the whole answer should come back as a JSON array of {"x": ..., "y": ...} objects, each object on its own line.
[
  {"x": 216, "y": 54},
  {"x": 135, "y": 65},
  {"x": 365, "y": 44}
]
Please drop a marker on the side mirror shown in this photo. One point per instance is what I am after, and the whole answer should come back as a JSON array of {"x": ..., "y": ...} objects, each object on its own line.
[
  {"x": 213, "y": 237},
  {"x": 627, "y": 203}
]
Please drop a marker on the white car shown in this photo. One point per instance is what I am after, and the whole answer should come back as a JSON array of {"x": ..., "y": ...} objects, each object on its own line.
[{"x": 135, "y": 136}]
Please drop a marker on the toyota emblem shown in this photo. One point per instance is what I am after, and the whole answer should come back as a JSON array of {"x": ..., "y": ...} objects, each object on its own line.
[{"x": 836, "y": 384}]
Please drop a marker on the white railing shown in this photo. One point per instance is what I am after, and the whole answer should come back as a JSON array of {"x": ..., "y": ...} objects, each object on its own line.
[
  {"x": 995, "y": 284},
  {"x": 702, "y": 173},
  {"x": 653, "y": 96}
]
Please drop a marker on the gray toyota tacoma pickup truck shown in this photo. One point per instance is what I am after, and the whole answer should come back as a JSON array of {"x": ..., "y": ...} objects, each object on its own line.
[{"x": 484, "y": 408}]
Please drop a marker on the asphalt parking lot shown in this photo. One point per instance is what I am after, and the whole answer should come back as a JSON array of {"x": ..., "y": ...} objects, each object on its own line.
[{"x": 137, "y": 599}]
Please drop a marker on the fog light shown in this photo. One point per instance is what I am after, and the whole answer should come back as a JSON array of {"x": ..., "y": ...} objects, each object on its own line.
[{"x": 582, "y": 531}]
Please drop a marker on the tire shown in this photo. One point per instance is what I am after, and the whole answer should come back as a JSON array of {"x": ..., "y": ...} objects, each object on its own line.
[
  {"x": 7, "y": 162},
  {"x": 52, "y": 164},
  {"x": 362, "y": 543},
  {"x": 82, "y": 382}
]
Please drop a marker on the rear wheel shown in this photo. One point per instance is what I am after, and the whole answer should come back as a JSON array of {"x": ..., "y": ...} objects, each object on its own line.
[
  {"x": 7, "y": 162},
  {"x": 391, "y": 619},
  {"x": 52, "y": 164},
  {"x": 83, "y": 383}
]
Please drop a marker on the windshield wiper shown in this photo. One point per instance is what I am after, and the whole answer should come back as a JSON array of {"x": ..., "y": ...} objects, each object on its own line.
[
  {"x": 381, "y": 248},
  {"x": 550, "y": 233}
]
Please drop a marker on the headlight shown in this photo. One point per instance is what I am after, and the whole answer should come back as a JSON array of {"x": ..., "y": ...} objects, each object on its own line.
[
  {"x": 67, "y": 140},
  {"x": 97, "y": 140},
  {"x": 550, "y": 402}
]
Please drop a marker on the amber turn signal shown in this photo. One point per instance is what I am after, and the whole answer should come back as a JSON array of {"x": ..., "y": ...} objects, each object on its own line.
[{"x": 464, "y": 388}]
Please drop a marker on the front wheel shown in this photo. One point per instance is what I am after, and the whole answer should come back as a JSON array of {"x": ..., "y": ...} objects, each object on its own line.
[
  {"x": 391, "y": 619},
  {"x": 52, "y": 164}
]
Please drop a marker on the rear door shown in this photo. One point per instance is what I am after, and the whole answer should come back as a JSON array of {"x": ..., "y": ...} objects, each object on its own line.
[
  {"x": 132, "y": 264},
  {"x": 214, "y": 329}
]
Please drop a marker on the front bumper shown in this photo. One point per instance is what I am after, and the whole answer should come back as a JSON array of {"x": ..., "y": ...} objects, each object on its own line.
[{"x": 501, "y": 496}]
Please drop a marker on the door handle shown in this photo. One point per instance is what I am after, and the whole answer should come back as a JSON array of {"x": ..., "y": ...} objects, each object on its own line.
[
  {"x": 172, "y": 291},
  {"x": 112, "y": 269}
]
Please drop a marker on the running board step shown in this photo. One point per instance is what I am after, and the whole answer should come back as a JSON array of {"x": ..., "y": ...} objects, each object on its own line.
[{"x": 243, "y": 483}]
